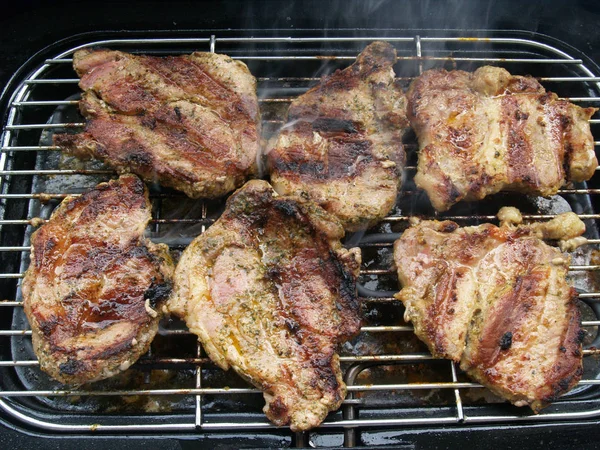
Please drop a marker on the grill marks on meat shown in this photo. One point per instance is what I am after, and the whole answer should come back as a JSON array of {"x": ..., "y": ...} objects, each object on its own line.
[
  {"x": 189, "y": 122},
  {"x": 342, "y": 145},
  {"x": 496, "y": 300},
  {"x": 488, "y": 131},
  {"x": 270, "y": 291},
  {"x": 94, "y": 283}
]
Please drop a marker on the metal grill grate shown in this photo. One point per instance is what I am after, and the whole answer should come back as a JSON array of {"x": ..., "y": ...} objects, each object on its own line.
[{"x": 392, "y": 381}]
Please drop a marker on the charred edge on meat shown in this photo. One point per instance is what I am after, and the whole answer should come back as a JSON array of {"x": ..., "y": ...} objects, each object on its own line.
[
  {"x": 72, "y": 367},
  {"x": 158, "y": 293},
  {"x": 506, "y": 340}
]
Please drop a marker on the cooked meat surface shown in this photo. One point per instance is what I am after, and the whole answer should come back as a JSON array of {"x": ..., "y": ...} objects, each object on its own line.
[
  {"x": 489, "y": 131},
  {"x": 189, "y": 122},
  {"x": 496, "y": 300},
  {"x": 94, "y": 289},
  {"x": 270, "y": 291},
  {"x": 342, "y": 145}
]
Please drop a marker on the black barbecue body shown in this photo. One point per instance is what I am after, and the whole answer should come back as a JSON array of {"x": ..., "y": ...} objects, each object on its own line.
[{"x": 28, "y": 27}]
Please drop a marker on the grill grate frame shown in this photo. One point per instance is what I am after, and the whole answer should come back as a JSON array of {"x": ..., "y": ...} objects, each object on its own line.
[{"x": 417, "y": 52}]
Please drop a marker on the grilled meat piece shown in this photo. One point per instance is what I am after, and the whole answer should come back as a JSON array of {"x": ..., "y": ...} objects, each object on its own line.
[
  {"x": 342, "y": 145},
  {"x": 496, "y": 300},
  {"x": 94, "y": 288},
  {"x": 488, "y": 131},
  {"x": 189, "y": 122},
  {"x": 270, "y": 291}
]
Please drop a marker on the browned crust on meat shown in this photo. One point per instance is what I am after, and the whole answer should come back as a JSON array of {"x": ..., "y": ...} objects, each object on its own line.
[
  {"x": 443, "y": 285},
  {"x": 300, "y": 250},
  {"x": 347, "y": 131},
  {"x": 271, "y": 292},
  {"x": 347, "y": 156},
  {"x": 497, "y": 301},
  {"x": 497, "y": 343},
  {"x": 489, "y": 131},
  {"x": 190, "y": 122},
  {"x": 90, "y": 277},
  {"x": 520, "y": 154}
]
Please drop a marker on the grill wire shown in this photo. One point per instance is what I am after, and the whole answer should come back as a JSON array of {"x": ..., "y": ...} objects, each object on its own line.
[{"x": 284, "y": 67}]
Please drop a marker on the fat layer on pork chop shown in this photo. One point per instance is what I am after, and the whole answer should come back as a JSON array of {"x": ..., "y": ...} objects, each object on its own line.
[
  {"x": 189, "y": 122},
  {"x": 270, "y": 292},
  {"x": 496, "y": 300},
  {"x": 94, "y": 288},
  {"x": 342, "y": 145},
  {"x": 489, "y": 131}
]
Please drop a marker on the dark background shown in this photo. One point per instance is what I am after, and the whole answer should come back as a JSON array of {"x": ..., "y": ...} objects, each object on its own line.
[{"x": 27, "y": 26}]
